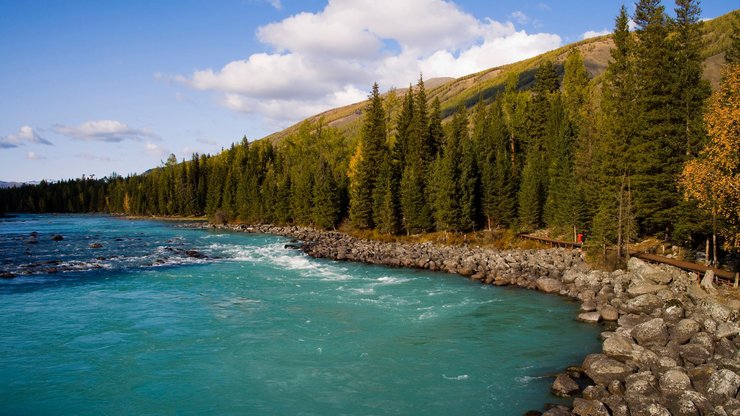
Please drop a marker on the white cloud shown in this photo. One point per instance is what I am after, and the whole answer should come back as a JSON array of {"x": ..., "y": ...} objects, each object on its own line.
[
  {"x": 596, "y": 33},
  {"x": 330, "y": 58},
  {"x": 153, "y": 149},
  {"x": 34, "y": 156},
  {"x": 104, "y": 131},
  {"x": 276, "y": 4},
  {"x": 520, "y": 17},
  {"x": 25, "y": 135}
]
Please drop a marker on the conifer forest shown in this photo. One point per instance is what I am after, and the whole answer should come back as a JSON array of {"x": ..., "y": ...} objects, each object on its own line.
[{"x": 644, "y": 149}]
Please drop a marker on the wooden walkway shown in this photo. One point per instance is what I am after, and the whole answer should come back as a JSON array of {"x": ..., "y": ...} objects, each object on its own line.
[
  {"x": 551, "y": 242},
  {"x": 700, "y": 269},
  {"x": 721, "y": 276}
]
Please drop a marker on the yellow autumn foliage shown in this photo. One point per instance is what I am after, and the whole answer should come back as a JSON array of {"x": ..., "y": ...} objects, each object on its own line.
[{"x": 713, "y": 178}]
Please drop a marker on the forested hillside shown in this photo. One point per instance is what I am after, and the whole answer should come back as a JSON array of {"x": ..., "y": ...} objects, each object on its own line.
[{"x": 592, "y": 137}]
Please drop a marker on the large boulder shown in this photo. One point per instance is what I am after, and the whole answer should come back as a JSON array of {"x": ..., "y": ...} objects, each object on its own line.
[
  {"x": 589, "y": 317},
  {"x": 603, "y": 370},
  {"x": 564, "y": 386},
  {"x": 643, "y": 304},
  {"x": 722, "y": 385},
  {"x": 618, "y": 346},
  {"x": 674, "y": 382},
  {"x": 714, "y": 310},
  {"x": 648, "y": 271},
  {"x": 651, "y": 333},
  {"x": 583, "y": 407},
  {"x": 644, "y": 288},
  {"x": 726, "y": 330},
  {"x": 549, "y": 285},
  {"x": 694, "y": 353},
  {"x": 609, "y": 313},
  {"x": 684, "y": 329}
]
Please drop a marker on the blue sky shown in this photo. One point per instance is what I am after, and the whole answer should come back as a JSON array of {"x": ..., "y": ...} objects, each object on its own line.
[{"x": 95, "y": 87}]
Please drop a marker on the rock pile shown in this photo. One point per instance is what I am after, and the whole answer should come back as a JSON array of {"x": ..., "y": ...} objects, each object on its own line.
[{"x": 674, "y": 348}]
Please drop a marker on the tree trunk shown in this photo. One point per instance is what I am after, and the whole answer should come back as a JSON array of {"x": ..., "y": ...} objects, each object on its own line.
[
  {"x": 714, "y": 237},
  {"x": 706, "y": 253}
]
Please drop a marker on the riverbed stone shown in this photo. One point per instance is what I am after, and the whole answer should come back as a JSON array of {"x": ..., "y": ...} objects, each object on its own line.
[
  {"x": 549, "y": 285},
  {"x": 603, "y": 369},
  {"x": 674, "y": 382},
  {"x": 643, "y": 304},
  {"x": 584, "y": 407},
  {"x": 609, "y": 313},
  {"x": 564, "y": 386},
  {"x": 651, "y": 333},
  {"x": 645, "y": 288},
  {"x": 722, "y": 385},
  {"x": 589, "y": 317},
  {"x": 618, "y": 346}
]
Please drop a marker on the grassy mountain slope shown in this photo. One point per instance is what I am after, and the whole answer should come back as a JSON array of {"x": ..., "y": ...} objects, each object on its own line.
[{"x": 486, "y": 84}]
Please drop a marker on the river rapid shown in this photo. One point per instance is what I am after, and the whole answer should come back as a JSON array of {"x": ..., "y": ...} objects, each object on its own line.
[{"x": 145, "y": 317}]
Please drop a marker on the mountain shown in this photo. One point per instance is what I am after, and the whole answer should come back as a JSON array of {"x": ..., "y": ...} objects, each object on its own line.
[
  {"x": 4, "y": 184},
  {"x": 467, "y": 90}
]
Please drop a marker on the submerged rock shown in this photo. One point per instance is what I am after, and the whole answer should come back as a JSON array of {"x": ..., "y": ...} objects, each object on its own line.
[{"x": 564, "y": 386}]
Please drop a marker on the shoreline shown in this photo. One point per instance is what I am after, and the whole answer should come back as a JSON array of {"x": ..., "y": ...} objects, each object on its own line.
[{"x": 674, "y": 348}]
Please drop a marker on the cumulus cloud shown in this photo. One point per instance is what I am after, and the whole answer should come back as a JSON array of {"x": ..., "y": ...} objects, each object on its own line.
[
  {"x": 111, "y": 131},
  {"x": 596, "y": 33},
  {"x": 25, "y": 135},
  {"x": 331, "y": 57}
]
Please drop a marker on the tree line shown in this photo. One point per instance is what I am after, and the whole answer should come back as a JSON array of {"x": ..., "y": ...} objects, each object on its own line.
[{"x": 570, "y": 153}]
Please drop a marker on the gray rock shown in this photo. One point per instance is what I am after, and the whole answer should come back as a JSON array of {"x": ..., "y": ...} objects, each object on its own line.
[
  {"x": 714, "y": 310},
  {"x": 726, "y": 330},
  {"x": 643, "y": 304},
  {"x": 589, "y": 317},
  {"x": 694, "y": 353},
  {"x": 648, "y": 271},
  {"x": 558, "y": 411},
  {"x": 722, "y": 385},
  {"x": 673, "y": 311},
  {"x": 682, "y": 332},
  {"x": 674, "y": 382},
  {"x": 645, "y": 288},
  {"x": 651, "y": 333},
  {"x": 616, "y": 405},
  {"x": 603, "y": 370},
  {"x": 549, "y": 285},
  {"x": 564, "y": 386},
  {"x": 583, "y": 407},
  {"x": 618, "y": 346},
  {"x": 609, "y": 313},
  {"x": 629, "y": 321},
  {"x": 690, "y": 403}
]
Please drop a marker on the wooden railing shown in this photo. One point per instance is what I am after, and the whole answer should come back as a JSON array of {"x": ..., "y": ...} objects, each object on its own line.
[{"x": 721, "y": 276}]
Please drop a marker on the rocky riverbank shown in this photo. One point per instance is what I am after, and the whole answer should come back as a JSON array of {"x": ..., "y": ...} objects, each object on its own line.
[{"x": 670, "y": 348}]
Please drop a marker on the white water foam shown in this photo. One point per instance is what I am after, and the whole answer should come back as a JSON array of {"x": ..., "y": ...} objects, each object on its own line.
[{"x": 461, "y": 377}]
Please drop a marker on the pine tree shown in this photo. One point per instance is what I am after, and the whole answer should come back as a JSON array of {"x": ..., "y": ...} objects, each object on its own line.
[
  {"x": 386, "y": 207},
  {"x": 619, "y": 126},
  {"x": 366, "y": 162},
  {"x": 449, "y": 198},
  {"x": 416, "y": 216},
  {"x": 325, "y": 210}
]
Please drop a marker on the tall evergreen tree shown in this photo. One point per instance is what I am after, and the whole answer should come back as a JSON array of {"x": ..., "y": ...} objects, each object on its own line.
[{"x": 366, "y": 162}]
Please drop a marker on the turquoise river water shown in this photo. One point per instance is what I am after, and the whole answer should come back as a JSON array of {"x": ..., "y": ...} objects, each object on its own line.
[{"x": 142, "y": 324}]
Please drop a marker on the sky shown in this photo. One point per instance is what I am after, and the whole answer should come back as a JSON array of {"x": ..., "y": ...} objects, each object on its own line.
[{"x": 101, "y": 87}]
